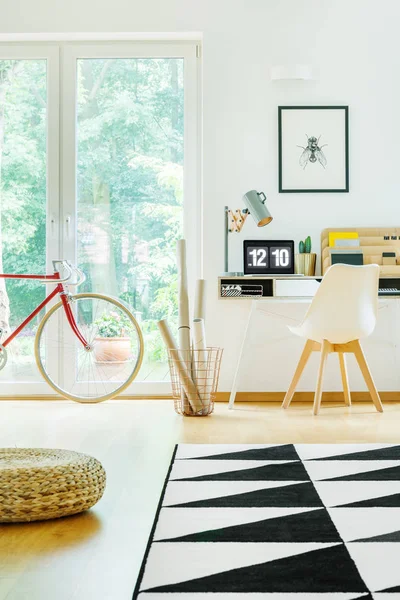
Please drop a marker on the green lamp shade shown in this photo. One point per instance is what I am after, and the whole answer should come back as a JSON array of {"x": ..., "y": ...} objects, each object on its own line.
[{"x": 255, "y": 202}]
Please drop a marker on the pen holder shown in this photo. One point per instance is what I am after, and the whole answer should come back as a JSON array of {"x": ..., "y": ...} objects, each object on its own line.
[
  {"x": 194, "y": 380},
  {"x": 304, "y": 264}
]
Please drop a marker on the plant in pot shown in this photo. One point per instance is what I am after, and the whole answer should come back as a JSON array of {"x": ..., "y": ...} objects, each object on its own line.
[
  {"x": 111, "y": 342},
  {"x": 305, "y": 260}
]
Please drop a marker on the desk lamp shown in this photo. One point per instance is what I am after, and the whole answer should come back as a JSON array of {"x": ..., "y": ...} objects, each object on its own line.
[{"x": 234, "y": 220}]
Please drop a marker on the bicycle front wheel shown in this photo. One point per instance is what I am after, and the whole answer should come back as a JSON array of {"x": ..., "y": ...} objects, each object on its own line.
[{"x": 108, "y": 364}]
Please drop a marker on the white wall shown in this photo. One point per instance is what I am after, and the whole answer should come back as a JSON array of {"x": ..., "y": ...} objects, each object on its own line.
[{"x": 354, "y": 46}]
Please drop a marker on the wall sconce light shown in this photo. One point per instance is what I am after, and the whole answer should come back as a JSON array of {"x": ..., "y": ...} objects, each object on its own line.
[
  {"x": 235, "y": 219},
  {"x": 282, "y": 72}
]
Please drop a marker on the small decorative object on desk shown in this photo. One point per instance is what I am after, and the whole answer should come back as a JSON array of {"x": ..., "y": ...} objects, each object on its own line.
[
  {"x": 306, "y": 260},
  {"x": 195, "y": 380},
  {"x": 194, "y": 366}
]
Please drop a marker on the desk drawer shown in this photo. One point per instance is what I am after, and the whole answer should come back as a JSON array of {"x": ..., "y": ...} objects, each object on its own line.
[{"x": 296, "y": 287}]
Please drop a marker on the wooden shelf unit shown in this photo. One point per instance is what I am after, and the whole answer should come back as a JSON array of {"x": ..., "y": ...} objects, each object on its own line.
[{"x": 372, "y": 243}]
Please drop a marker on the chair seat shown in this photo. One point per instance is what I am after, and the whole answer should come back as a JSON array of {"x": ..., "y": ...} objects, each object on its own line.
[
  {"x": 334, "y": 335},
  {"x": 41, "y": 483}
]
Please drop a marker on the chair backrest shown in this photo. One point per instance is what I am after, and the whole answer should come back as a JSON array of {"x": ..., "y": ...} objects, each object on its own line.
[{"x": 346, "y": 304}]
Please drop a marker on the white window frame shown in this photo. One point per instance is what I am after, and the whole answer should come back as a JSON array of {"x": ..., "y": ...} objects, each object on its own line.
[
  {"x": 50, "y": 53},
  {"x": 61, "y": 168}
]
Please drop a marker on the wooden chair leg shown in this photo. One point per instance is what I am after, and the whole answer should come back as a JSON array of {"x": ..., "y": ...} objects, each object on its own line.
[
  {"x": 345, "y": 378},
  {"x": 307, "y": 350},
  {"x": 362, "y": 363},
  {"x": 325, "y": 349}
]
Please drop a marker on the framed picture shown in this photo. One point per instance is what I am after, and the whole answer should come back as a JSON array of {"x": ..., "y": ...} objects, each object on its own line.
[{"x": 313, "y": 149}]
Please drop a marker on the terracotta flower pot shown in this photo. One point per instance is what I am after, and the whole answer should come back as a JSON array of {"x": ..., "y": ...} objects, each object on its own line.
[{"x": 112, "y": 349}]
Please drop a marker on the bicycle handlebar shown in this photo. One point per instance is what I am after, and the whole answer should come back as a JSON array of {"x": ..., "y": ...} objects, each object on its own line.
[{"x": 71, "y": 270}]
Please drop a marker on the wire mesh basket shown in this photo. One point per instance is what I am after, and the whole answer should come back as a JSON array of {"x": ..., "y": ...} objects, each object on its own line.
[{"x": 194, "y": 379}]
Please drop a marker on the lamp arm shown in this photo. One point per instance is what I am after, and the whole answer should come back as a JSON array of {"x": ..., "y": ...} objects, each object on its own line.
[{"x": 226, "y": 233}]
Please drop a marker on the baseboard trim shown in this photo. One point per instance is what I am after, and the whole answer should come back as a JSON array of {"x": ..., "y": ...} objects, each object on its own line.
[
  {"x": 305, "y": 397},
  {"x": 240, "y": 397},
  {"x": 53, "y": 397}
]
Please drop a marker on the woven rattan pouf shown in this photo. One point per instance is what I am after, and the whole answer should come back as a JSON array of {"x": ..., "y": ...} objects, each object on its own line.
[{"x": 41, "y": 483}]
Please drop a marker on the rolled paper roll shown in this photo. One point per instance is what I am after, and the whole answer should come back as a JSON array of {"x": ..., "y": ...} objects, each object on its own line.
[
  {"x": 202, "y": 376},
  {"x": 200, "y": 300},
  {"x": 181, "y": 367},
  {"x": 183, "y": 298},
  {"x": 183, "y": 303}
]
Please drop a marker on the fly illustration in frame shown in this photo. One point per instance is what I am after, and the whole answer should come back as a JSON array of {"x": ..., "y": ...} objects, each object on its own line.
[{"x": 321, "y": 164}]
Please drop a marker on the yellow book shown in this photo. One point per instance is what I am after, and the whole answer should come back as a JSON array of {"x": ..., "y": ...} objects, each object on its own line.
[{"x": 341, "y": 235}]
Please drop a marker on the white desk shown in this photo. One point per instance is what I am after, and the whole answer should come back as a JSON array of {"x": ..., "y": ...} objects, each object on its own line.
[{"x": 265, "y": 305}]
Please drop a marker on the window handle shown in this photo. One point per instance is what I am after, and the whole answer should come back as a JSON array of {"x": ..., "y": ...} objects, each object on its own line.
[
  {"x": 53, "y": 225},
  {"x": 67, "y": 226}
]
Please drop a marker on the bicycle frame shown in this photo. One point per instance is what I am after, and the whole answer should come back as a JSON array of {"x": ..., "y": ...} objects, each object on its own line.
[{"x": 59, "y": 289}]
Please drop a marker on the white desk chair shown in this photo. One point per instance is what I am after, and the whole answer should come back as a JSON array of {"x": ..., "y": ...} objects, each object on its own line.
[{"x": 343, "y": 310}]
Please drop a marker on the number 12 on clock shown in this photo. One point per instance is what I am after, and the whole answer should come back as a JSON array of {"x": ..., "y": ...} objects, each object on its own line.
[{"x": 259, "y": 257}]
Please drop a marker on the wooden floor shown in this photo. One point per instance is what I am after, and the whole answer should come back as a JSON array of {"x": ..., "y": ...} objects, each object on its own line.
[{"x": 97, "y": 555}]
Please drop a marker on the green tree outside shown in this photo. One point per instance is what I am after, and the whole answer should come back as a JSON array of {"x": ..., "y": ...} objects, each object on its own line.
[{"x": 130, "y": 146}]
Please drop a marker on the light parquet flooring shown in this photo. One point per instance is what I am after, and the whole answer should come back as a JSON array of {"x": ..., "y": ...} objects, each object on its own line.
[{"x": 97, "y": 555}]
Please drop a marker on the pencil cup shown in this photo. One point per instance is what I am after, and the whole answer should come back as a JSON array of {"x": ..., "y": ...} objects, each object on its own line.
[{"x": 305, "y": 264}]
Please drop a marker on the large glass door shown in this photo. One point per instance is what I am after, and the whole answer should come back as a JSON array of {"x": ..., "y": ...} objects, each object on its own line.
[
  {"x": 98, "y": 165},
  {"x": 129, "y": 128},
  {"x": 29, "y": 202}
]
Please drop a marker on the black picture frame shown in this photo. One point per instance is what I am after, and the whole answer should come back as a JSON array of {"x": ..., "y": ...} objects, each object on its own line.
[
  {"x": 346, "y": 187},
  {"x": 268, "y": 270}
]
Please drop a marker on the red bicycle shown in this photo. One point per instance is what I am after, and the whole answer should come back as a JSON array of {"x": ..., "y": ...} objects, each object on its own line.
[{"x": 88, "y": 347}]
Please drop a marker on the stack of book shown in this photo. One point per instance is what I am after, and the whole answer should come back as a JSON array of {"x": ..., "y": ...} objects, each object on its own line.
[{"x": 344, "y": 247}]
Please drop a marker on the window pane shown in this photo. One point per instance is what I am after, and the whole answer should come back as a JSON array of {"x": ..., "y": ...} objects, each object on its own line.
[
  {"x": 130, "y": 187},
  {"x": 23, "y": 117}
]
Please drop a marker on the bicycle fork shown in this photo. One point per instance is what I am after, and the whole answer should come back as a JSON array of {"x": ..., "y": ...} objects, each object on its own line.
[{"x": 71, "y": 318}]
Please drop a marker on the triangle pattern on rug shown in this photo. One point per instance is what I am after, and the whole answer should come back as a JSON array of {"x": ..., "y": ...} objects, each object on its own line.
[
  {"x": 165, "y": 560},
  {"x": 388, "y": 453},
  {"x": 300, "y": 494},
  {"x": 314, "y": 526},
  {"x": 394, "y": 536},
  {"x": 190, "y": 491},
  {"x": 334, "y": 469},
  {"x": 338, "y": 493},
  {"x": 377, "y": 563},
  {"x": 200, "y": 451},
  {"x": 389, "y": 474},
  {"x": 189, "y": 469},
  {"x": 391, "y": 590},
  {"x": 175, "y": 523},
  {"x": 391, "y": 501},
  {"x": 266, "y": 596},
  {"x": 292, "y": 471},
  {"x": 308, "y": 452},
  {"x": 362, "y": 523},
  {"x": 278, "y": 452},
  {"x": 315, "y": 571}
]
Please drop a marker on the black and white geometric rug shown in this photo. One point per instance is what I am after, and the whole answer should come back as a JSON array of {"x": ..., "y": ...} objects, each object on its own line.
[{"x": 279, "y": 522}]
